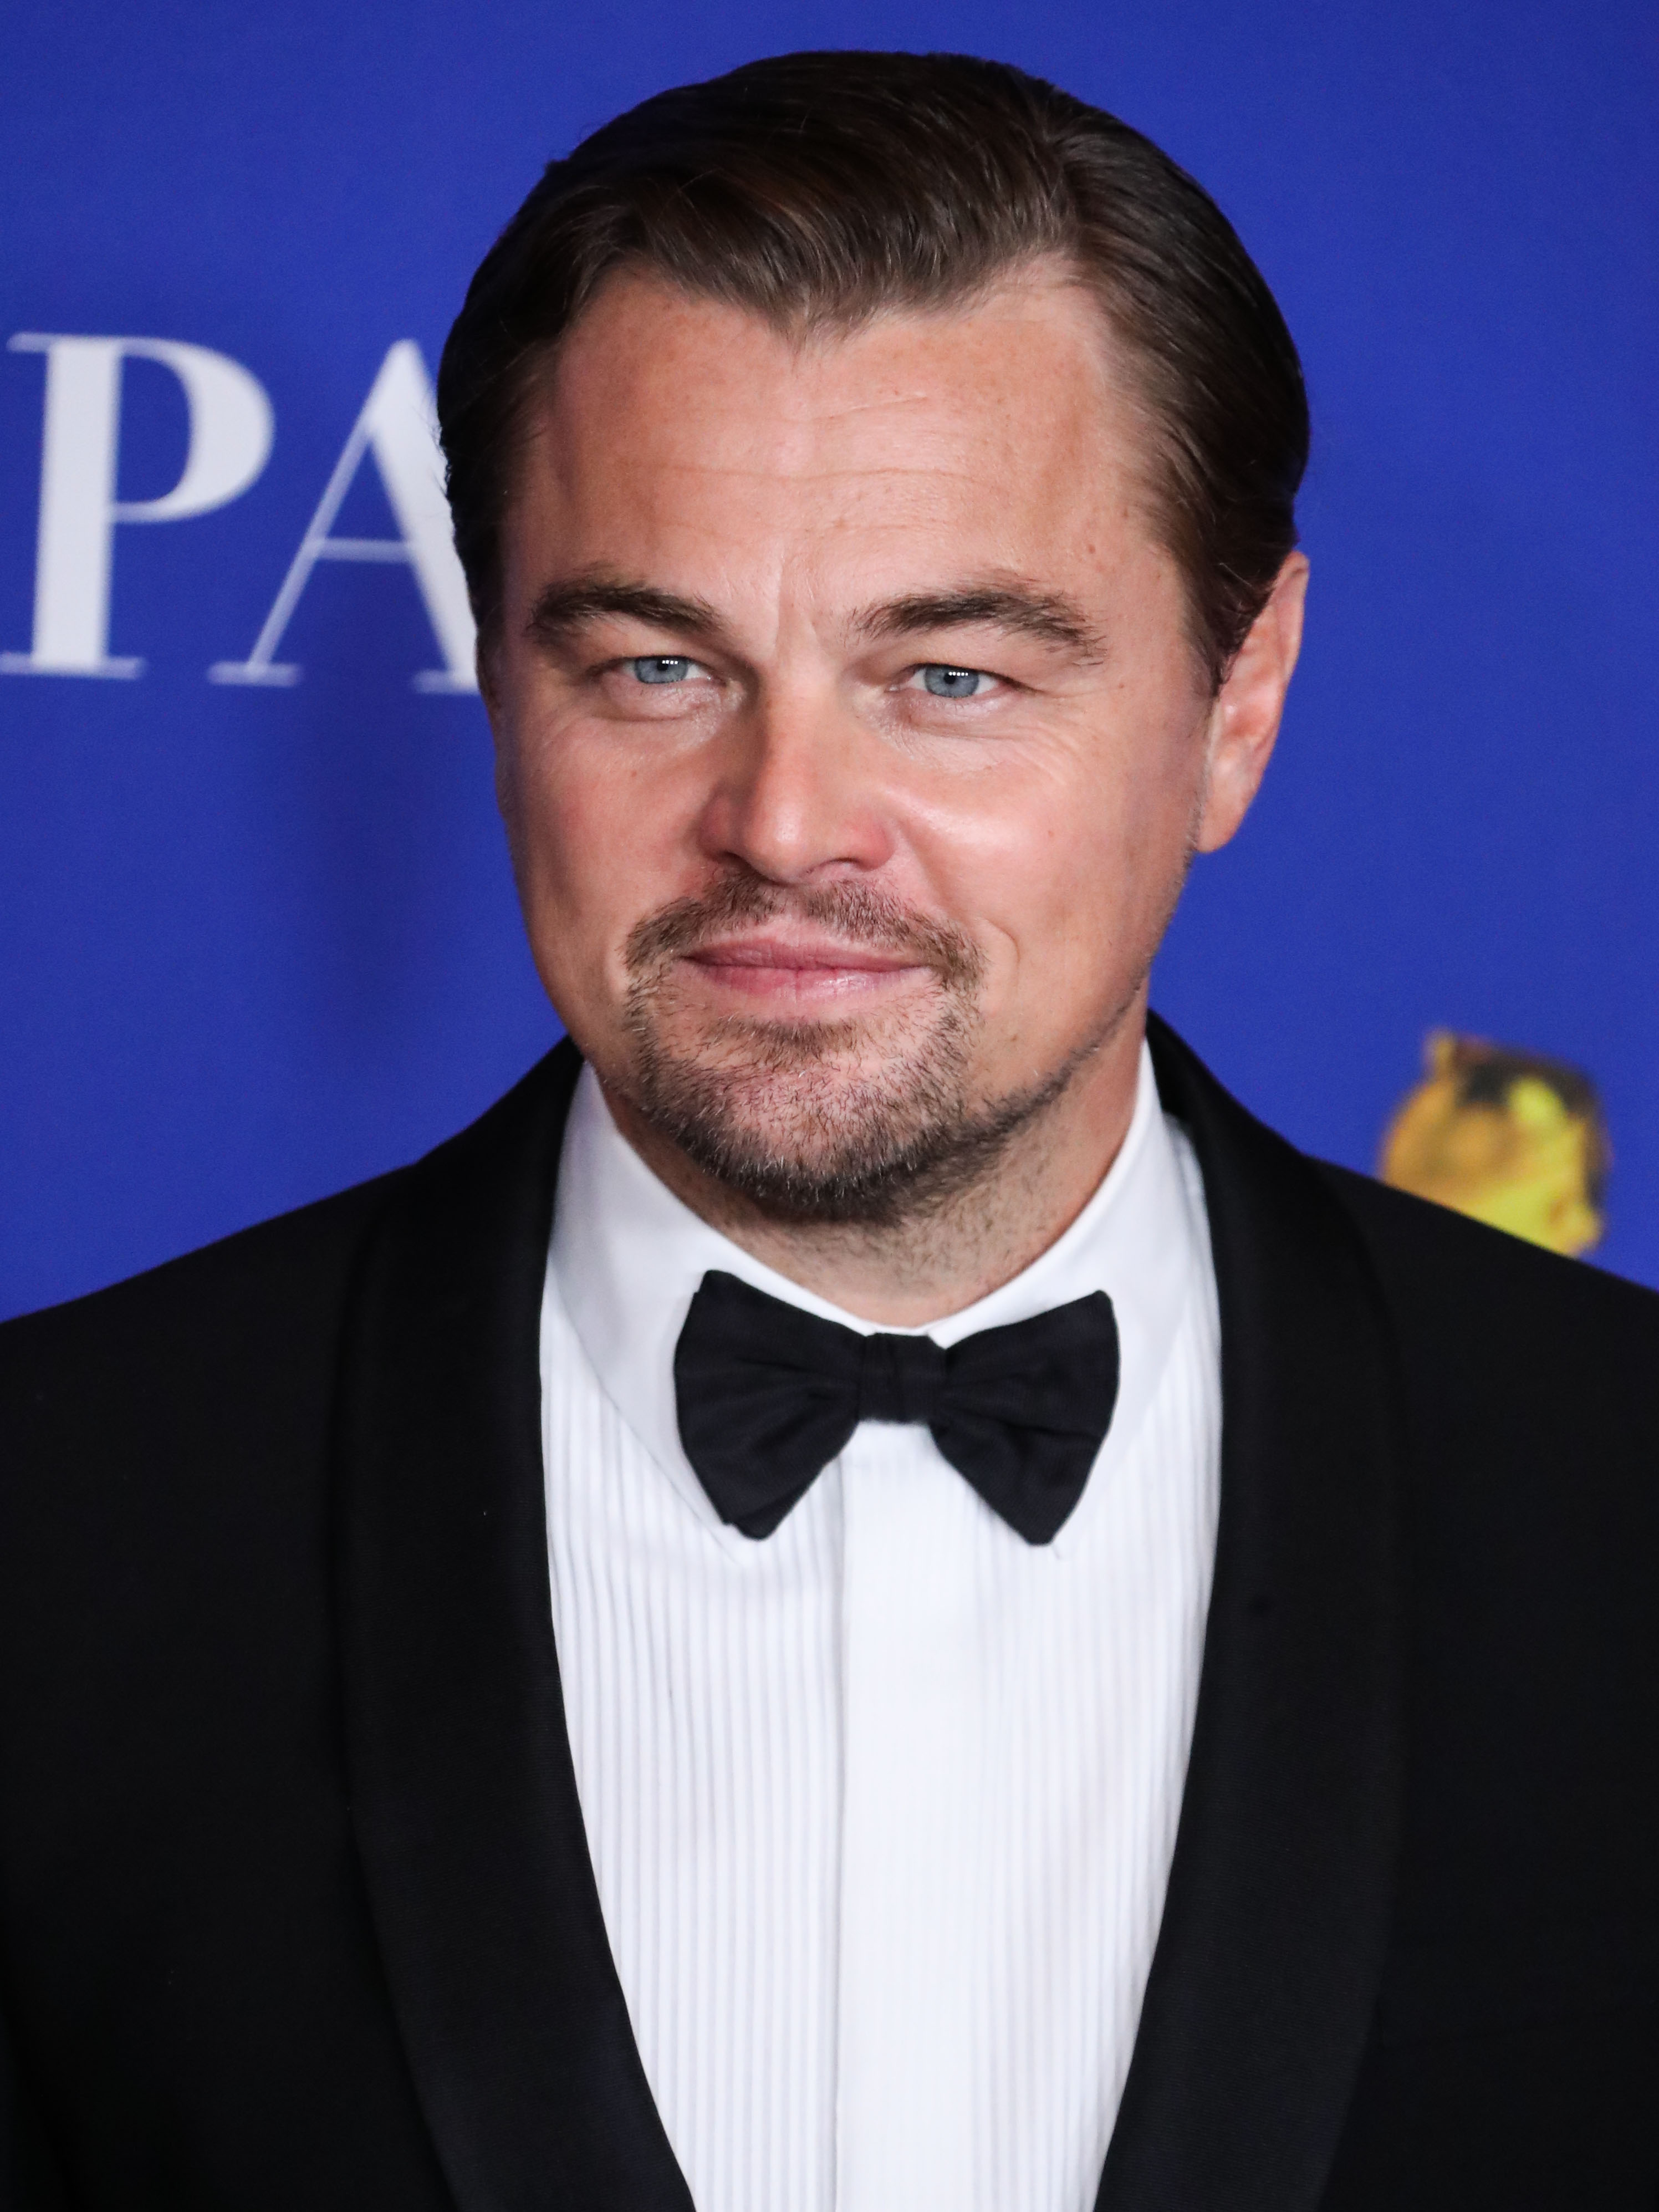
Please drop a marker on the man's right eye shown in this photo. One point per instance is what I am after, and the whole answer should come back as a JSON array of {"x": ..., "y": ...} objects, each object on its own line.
[{"x": 662, "y": 668}]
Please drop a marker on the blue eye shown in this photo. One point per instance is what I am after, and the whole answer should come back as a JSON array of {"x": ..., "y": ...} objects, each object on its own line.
[
  {"x": 661, "y": 667},
  {"x": 951, "y": 683}
]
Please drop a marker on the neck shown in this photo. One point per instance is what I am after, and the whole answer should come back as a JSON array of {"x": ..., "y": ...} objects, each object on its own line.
[{"x": 917, "y": 1269}]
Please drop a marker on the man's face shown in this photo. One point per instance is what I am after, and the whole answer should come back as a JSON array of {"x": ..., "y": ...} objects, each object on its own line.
[{"x": 851, "y": 742}]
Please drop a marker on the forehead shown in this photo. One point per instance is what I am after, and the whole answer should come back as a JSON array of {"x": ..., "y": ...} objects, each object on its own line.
[{"x": 1008, "y": 422}]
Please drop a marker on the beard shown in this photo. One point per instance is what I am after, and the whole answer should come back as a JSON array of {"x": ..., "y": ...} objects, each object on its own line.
[{"x": 868, "y": 1121}]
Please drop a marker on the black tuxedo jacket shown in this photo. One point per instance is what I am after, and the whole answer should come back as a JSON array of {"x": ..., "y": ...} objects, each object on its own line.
[{"x": 296, "y": 1913}]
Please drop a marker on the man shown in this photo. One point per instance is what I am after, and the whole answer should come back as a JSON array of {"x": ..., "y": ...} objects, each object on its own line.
[{"x": 866, "y": 1595}]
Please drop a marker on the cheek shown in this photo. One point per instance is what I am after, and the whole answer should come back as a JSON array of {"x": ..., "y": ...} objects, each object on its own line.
[
  {"x": 1033, "y": 855},
  {"x": 589, "y": 823},
  {"x": 1064, "y": 873}
]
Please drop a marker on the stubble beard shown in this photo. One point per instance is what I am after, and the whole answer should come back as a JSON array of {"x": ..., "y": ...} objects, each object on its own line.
[{"x": 867, "y": 1121}]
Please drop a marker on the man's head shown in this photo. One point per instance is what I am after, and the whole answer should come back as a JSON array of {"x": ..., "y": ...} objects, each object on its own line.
[{"x": 874, "y": 476}]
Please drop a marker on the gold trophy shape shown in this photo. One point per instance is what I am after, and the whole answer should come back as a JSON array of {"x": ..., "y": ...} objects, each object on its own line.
[{"x": 1510, "y": 1138}]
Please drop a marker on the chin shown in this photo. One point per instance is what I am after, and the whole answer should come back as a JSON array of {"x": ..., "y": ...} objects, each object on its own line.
[
  {"x": 805, "y": 1087},
  {"x": 827, "y": 1121},
  {"x": 886, "y": 1049}
]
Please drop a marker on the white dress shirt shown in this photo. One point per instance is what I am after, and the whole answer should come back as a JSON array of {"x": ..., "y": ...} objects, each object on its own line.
[{"x": 881, "y": 1808}]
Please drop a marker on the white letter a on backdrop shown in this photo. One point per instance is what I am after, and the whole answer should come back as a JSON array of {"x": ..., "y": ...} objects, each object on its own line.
[{"x": 397, "y": 426}]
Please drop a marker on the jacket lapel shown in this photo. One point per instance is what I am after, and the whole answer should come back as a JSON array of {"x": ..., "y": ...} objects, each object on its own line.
[
  {"x": 463, "y": 1797},
  {"x": 1274, "y": 1928}
]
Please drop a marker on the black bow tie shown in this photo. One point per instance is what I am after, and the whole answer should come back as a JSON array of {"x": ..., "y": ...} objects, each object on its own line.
[{"x": 768, "y": 1394}]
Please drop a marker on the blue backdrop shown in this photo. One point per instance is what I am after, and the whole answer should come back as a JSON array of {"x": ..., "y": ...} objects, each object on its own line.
[{"x": 257, "y": 935}]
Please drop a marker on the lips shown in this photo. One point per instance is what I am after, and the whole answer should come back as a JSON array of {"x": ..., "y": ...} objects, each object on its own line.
[{"x": 780, "y": 967}]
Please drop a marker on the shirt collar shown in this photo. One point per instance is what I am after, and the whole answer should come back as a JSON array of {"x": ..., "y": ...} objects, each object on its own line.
[{"x": 627, "y": 1255}]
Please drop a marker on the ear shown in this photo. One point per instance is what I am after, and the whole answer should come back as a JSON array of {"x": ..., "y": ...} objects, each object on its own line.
[{"x": 1245, "y": 714}]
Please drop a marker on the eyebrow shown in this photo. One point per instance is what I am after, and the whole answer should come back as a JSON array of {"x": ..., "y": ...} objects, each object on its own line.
[
  {"x": 567, "y": 605},
  {"x": 1021, "y": 609}
]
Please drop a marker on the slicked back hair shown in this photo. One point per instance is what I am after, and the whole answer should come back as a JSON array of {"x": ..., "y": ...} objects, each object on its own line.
[{"x": 819, "y": 190}]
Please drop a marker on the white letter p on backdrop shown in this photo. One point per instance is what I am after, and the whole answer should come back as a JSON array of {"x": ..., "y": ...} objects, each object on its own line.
[{"x": 230, "y": 432}]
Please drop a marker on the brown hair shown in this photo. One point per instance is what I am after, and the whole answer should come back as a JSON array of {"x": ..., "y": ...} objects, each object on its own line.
[{"x": 817, "y": 189}]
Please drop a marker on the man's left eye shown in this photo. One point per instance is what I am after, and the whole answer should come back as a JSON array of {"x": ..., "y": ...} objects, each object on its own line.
[
  {"x": 945, "y": 681},
  {"x": 664, "y": 668}
]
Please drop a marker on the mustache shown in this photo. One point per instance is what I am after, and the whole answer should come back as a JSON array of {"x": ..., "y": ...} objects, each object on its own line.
[{"x": 857, "y": 913}]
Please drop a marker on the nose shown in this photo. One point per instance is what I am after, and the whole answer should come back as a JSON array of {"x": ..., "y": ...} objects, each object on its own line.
[{"x": 797, "y": 795}]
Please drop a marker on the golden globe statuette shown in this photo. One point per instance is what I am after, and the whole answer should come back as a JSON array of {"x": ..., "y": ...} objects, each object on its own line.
[{"x": 1510, "y": 1138}]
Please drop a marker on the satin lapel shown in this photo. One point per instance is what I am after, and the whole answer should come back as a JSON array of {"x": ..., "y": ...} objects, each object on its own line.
[
  {"x": 463, "y": 1793},
  {"x": 1274, "y": 1927}
]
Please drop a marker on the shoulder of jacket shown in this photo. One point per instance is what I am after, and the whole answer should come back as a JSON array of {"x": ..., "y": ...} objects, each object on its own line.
[
  {"x": 278, "y": 1285},
  {"x": 295, "y": 1262},
  {"x": 1482, "y": 1313},
  {"x": 1415, "y": 1231}
]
